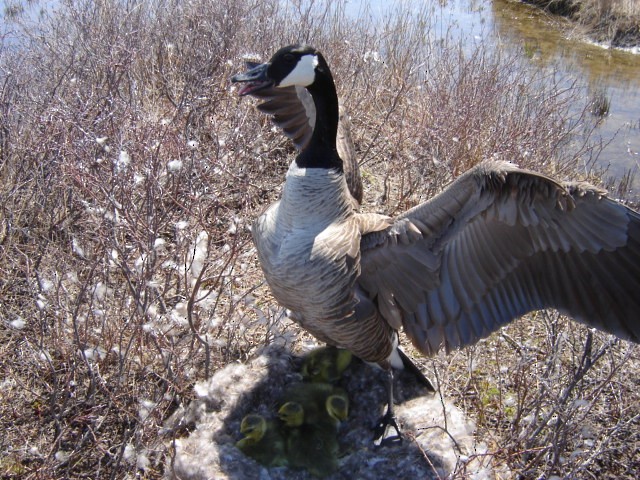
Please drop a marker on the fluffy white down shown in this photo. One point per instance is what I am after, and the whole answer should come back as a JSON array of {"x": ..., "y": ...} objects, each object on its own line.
[{"x": 209, "y": 451}]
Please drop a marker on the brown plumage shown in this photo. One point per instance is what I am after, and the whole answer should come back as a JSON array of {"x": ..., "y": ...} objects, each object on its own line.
[{"x": 499, "y": 242}]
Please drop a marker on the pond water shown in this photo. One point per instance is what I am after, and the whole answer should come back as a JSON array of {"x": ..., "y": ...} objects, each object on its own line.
[
  {"x": 552, "y": 43},
  {"x": 547, "y": 42}
]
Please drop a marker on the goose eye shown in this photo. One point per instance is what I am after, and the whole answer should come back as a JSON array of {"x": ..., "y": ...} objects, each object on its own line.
[{"x": 289, "y": 58}]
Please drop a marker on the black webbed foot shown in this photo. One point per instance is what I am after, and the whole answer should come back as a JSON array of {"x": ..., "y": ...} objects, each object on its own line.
[{"x": 383, "y": 431}]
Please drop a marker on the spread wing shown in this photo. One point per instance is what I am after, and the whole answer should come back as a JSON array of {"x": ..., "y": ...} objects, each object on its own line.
[{"x": 498, "y": 243}]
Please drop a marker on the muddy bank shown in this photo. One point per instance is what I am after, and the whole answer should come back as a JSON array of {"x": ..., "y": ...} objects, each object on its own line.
[{"x": 613, "y": 22}]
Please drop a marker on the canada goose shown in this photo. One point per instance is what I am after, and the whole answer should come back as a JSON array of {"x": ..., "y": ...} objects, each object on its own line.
[
  {"x": 338, "y": 408},
  {"x": 499, "y": 242},
  {"x": 322, "y": 403},
  {"x": 262, "y": 441},
  {"x": 325, "y": 364},
  {"x": 312, "y": 441},
  {"x": 293, "y": 414},
  {"x": 313, "y": 448}
]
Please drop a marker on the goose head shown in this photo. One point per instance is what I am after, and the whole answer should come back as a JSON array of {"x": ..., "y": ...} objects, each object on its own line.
[
  {"x": 337, "y": 406},
  {"x": 291, "y": 414},
  {"x": 303, "y": 66},
  {"x": 291, "y": 65},
  {"x": 253, "y": 427}
]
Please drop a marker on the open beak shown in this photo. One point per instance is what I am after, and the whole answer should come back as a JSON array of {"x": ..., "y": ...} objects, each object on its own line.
[{"x": 255, "y": 78}]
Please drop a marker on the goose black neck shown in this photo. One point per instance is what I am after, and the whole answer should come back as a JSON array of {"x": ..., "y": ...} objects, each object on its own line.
[{"x": 321, "y": 151}]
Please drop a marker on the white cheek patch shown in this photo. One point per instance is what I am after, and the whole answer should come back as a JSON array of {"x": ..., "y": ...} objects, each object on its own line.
[{"x": 303, "y": 74}]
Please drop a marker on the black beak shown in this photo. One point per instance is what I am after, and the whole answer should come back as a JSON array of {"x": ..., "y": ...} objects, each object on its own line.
[{"x": 256, "y": 78}]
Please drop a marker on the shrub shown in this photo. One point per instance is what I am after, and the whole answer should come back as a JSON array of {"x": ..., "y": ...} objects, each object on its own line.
[{"x": 131, "y": 173}]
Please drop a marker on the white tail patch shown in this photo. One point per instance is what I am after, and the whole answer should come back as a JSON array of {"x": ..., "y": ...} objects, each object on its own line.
[
  {"x": 304, "y": 72},
  {"x": 395, "y": 359}
]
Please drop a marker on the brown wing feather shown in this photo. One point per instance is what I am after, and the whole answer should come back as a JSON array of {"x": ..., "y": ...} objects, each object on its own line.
[
  {"x": 501, "y": 242},
  {"x": 289, "y": 112},
  {"x": 293, "y": 111},
  {"x": 347, "y": 152}
]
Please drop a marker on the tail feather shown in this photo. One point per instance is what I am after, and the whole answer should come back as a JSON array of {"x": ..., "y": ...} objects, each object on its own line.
[{"x": 411, "y": 367}]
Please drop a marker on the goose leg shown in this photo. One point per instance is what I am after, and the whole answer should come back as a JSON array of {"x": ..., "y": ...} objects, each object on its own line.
[{"x": 387, "y": 422}]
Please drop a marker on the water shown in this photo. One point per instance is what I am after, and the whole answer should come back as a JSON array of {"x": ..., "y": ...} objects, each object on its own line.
[
  {"x": 546, "y": 42},
  {"x": 601, "y": 73},
  {"x": 610, "y": 77}
]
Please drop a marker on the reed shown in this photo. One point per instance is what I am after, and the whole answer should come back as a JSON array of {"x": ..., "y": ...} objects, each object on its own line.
[{"x": 615, "y": 22}]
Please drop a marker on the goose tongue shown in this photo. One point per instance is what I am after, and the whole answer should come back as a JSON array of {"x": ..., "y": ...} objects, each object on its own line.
[{"x": 255, "y": 78}]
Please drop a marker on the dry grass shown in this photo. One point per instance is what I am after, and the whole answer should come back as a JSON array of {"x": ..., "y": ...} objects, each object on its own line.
[
  {"x": 616, "y": 22},
  {"x": 130, "y": 173}
]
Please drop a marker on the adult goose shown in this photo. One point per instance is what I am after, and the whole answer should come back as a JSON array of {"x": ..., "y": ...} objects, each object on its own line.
[{"x": 497, "y": 243}]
